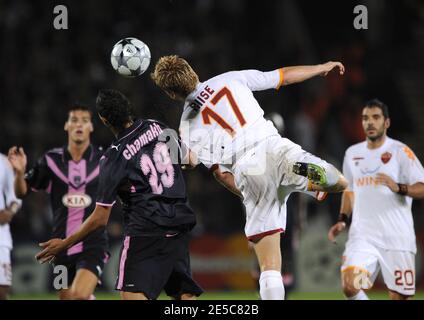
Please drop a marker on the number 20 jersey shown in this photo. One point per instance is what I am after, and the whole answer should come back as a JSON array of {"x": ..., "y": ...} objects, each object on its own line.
[{"x": 137, "y": 167}]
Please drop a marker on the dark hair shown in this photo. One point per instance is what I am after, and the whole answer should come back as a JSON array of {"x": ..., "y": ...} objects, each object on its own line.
[
  {"x": 77, "y": 106},
  {"x": 114, "y": 107},
  {"x": 375, "y": 103}
]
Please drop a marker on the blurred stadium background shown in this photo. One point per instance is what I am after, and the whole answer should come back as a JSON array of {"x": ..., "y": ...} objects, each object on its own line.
[{"x": 44, "y": 70}]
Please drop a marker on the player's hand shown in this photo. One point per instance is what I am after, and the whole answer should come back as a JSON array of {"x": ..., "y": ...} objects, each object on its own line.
[
  {"x": 51, "y": 249},
  {"x": 327, "y": 67},
  {"x": 17, "y": 159},
  {"x": 335, "y": 230},
  {"x": 5, "y": 216},
  {"x": 387, "y": 181}
]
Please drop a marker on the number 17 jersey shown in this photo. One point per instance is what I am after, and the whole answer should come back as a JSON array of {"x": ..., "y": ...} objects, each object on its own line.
[
  {"x": 222, "y": 119},
  {"x": 138, "y": 169}
]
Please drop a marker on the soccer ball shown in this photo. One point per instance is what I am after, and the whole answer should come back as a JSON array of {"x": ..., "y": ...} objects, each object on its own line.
[{"x": 130, "y": 57}]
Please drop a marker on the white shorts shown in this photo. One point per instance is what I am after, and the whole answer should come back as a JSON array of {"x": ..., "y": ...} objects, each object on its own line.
[
  {"x": 397, "y": 267},
  {"x": 5, "y": 267},
  {"x": 265, "y": 178}
]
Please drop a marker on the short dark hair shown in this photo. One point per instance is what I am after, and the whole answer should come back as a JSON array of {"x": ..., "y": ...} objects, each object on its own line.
[
  {"x": 375, "y": 103},
  {"x": 114, "y": 107},
  {"x": 78, "y": 106}
]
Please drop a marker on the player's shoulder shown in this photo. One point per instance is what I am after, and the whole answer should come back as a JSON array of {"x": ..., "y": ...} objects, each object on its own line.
[
  {"x": 97, "y": 152},
  {"x": 228, "y": 76},
  {"x": 356, "y": 147},
  {"x": 111, "y": 154},
  {"x": 396, "y": 144},
  {"x": 54, "y": 153},
  {"x": 148, "y": 122},
  {"x": 401, "y": 149}
]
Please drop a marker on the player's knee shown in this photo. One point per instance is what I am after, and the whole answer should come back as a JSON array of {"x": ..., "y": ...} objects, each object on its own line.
[
  {"x": 348, "y": 284},
  {"x": 398, "y": 296},
  {"x": 349, "y": 290},
  {"x": 4, "y": 292}
]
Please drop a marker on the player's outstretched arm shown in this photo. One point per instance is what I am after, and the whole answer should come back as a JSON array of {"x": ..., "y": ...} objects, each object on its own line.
[
  {"x": 301, "y": 73},
  {"x": 346, "y": 209},
  {"x": 97, "y": 219},
  {"x": 18, "y": 160}
]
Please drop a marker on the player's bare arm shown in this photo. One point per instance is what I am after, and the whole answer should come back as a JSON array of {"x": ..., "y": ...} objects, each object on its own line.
[
  {"x": 97, "y": 219},
  {"x": 415, "y": 191},
  {"x": 346, "y": 209},
  {"x": 227, "y": 180},
  {"x": 297, "y": 74},
  {"x": 18, "y": 160}
]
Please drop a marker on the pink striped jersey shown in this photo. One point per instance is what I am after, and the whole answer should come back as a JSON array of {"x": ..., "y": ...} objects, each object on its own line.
[{"x": 72, "y": 187}]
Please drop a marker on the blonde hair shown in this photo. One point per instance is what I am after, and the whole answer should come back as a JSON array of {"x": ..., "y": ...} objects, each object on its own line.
[{"x": 174, "y": 74}]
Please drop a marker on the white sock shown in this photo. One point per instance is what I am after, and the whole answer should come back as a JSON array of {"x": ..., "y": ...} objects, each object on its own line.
[
  {"x": 361, "y": 295},
  {"x": 271, "y": 285}
]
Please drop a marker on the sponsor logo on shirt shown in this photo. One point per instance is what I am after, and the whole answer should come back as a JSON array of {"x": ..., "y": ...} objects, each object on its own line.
[
  {"x": 367, "y": 181},
  {"x": 76, "y": 200},
  {"x": 356, "y": 159}
]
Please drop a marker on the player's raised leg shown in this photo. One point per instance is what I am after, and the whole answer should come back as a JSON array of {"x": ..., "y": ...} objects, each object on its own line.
[{"x": 323, "y": 177}]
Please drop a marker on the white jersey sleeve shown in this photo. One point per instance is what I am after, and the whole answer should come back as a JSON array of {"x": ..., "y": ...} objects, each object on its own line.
[
  {"x": 8, "y": 185},
  {"x": 411, "y": 169},
  {"x": 258, "y": 80},
  {"x": 7, "y": 197},
  {"x": 347, "y": 172}
]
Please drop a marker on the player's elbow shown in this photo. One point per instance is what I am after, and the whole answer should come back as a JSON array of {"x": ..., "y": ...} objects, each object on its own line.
[
  {"x": 101, "y": 222},
  {"x": 100, "y": 216},
  {"x": 20, "y": 193}
]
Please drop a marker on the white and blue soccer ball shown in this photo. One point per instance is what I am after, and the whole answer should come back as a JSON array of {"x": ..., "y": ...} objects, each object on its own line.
[{"x": 130, "y": 57}]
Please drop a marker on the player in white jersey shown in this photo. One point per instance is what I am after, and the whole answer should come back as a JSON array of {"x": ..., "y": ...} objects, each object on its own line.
[
  {"x": 9, "y": 205},
  {"x": 384, "y": 176},
  {"x": 223, "y": 125}
]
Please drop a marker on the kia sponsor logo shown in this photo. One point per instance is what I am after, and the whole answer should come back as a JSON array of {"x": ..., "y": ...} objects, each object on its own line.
[{"x": 76, "y": 200}]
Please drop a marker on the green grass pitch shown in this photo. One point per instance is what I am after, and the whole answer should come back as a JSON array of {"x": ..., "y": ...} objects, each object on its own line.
[{"x": 377, "y": 295}]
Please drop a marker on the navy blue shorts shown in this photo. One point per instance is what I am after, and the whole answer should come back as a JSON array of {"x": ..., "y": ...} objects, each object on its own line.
[
  {"x": 93, "y": 260},
  {"x": 151, "y": 264}
]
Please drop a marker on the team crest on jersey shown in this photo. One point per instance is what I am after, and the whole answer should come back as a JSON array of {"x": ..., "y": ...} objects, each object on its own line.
[
  {"x": 77, "y": 181},
  {"x": 76, "y": 200},
  {"x": 385, "y": 157}
]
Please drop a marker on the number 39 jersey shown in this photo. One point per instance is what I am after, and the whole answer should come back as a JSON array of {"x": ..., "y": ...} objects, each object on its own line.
[
  {"x": 138, "y": 169},
  {"x": 222, "y": 118}
]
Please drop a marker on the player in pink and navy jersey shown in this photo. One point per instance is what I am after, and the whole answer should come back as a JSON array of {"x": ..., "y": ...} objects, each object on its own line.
[
  {"x": 70, "y": 175},
  {"x": 142, "y": 169}
]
